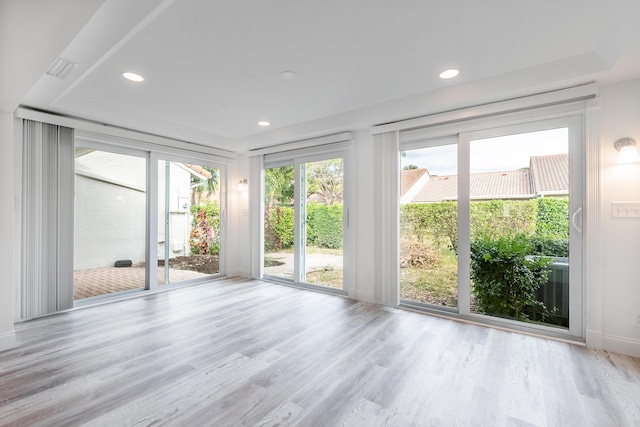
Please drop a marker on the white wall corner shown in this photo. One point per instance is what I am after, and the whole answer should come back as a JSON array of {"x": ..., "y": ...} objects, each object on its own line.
[
  {"x": 7, "y": 341},
  {"x": 594, "y": 339},
  {"x": 238, "y": 257}
]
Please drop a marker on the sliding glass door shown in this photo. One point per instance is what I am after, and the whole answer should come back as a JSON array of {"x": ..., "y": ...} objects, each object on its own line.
[
  {"x": 118, "y": 244},
  {"x": 491, "y": 226},
  {"x": 110, "y": 222},
  {"x": 189, "y": 221},
  {"x": 304, "y": 220}
]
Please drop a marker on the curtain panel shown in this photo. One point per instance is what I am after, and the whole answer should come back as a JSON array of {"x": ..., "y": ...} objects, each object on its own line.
[{"x": 47, "y": 219}]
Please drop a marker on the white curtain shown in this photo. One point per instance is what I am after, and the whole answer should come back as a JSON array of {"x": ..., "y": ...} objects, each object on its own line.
[
  {"x": 47, "y": 219},
  {"x": 386, "y": 218}
]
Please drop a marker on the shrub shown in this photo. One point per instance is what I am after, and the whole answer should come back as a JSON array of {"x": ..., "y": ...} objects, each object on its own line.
[
  {"x": 278, "y": 228},
  {"x": 497, "y": 218},
  {"x": 505, "y": 278},
  {"x": 553, "y": 217},
  {"x": 324, "y": 225},
  {"x": 416, "y": 254},
  {"x": 205, "y": 228},
  {"x": 436, "y": 221},
  {"x": 550, "y": 247}
]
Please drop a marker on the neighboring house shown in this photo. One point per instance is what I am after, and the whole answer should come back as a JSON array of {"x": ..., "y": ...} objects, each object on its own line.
[
  {"x": 546, "y": 176},
  {"x": 411, "y": 182},
  {"x": 110, "y": 206}
]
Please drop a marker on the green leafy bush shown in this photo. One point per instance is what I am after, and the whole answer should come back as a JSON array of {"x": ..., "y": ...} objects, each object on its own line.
[
  {"x": 324, "y": 225},
  {"x": 495, "y": 218},
  {"x": 550, "y": 247},
  {"x": 205, "y": 228},
  {"x": 278, "y": 228},
  {"x": 436, "y": 221},
  {"x": 553, "y": 217},
  {"x": 506, "y": 278}
]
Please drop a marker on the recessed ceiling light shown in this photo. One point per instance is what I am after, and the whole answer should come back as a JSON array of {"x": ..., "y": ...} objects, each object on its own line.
[
  {"x": 263, "y": 123},
  {"x": 288, "y": 75},
  {"x": 132, "y": 76},
  {"x": 449, "y": 73}
]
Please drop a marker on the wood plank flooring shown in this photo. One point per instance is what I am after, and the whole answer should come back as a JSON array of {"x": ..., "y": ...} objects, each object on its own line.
[{"x": 237, "y": 352}]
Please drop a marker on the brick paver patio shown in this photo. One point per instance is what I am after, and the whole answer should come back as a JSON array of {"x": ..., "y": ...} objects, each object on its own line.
[{"x": 102, "y": 281}]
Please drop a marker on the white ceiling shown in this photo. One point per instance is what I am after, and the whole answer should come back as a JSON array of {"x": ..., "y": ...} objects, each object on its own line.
[{"x": 212, "y": 68}]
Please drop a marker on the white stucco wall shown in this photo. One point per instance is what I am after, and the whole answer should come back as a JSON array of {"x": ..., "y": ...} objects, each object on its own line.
[
  {"x": 620, "y": 117},
  {"x": 110, "y": 210},
  {"x": 109, "y": 224},
  {"x": 7, "y": 335},
  {"x": 179, "y": 215}
]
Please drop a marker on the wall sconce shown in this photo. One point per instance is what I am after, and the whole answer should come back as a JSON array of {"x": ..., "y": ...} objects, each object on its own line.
[
  {"x": 628, "y": 150},
  {"x": 243, "y": 185}
]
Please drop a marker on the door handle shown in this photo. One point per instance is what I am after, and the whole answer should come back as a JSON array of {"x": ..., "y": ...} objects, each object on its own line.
[{"x": 574, "y": 222}]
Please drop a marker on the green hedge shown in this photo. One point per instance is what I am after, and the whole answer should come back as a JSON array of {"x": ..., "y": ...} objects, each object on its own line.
[
  {"x": 278, "y": 228},
  {"x": 545, "y": 220},
  {"x": 553, "y": 217},
  {"x": 324, "y": 226}
]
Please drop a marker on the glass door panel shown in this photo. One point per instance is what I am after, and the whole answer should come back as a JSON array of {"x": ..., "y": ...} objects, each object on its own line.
[
  {"x": 519, "y": 226},
  {"x": 321, "y": 219},
  {"x": 188, "y": 221},
  {"x": 279, "y": 221},
  {"x": 429, "y": 226},
  {"x": 110, "y": 223}
]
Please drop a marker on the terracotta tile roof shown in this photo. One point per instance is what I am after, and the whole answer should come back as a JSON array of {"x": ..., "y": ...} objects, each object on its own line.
[
  {"x": 437, "y": 189},
  {"x": 489, "y": 185},
  {"x": 408, "y": 178},
  {"x": 199, "y": 170},
  {"x": 508, "y": 184},
  {"x": 546, "y": 175},
  {"x": 550, "y": 173}
]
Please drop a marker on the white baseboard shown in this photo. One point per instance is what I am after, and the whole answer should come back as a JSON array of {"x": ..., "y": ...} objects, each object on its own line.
[
  {"x": 621, "y": 345},
  {"x": 7, "y": 341}
]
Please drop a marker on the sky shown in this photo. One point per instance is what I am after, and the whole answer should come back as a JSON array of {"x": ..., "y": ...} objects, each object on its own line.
[{"x": 492, "y": 154}]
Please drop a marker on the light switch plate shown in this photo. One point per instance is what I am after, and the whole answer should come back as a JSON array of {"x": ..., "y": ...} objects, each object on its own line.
[{"x": 625, "y": 209}]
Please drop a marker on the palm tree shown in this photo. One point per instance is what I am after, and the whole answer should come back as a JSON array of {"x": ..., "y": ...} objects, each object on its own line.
[{"x": 199, "y": 185}]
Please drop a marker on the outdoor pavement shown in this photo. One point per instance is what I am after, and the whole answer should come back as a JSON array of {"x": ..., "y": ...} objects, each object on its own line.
[
  {"x": 314, "y": 262},
  {"x": 102, "y": 281}
]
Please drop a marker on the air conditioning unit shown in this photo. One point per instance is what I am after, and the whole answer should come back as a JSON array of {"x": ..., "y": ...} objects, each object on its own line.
[{"x": 555, "y": 293}]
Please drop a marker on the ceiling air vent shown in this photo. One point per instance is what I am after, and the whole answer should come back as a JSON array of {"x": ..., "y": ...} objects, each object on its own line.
[{"x": 61, "y": 68}]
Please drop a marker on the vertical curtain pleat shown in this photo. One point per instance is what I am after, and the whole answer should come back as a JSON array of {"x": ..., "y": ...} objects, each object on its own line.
[
  {"x": 386, "y": 218},
  {"x": 47, "y": 223}
]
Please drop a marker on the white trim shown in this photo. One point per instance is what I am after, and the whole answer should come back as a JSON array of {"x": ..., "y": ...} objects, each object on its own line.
[
  {"x": 160, "y": 142},
  {"x": 256, "y": 199},
  {"x": 305, "y": 143},
  {"x": 288, "y": 157},
  {"x": 501, "y": 107},
  {"x": 592, "y": 229},
  {"x": 477, "y": 125},
  {"x": 621, "y": 345}
]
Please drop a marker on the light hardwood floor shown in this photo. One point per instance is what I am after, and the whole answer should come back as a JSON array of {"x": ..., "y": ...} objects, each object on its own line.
[{"x": 238, "y": 352}]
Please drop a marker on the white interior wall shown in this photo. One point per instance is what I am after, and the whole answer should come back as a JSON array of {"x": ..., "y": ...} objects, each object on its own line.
[
  {"x": 7, "y": 335},
  {"x": 620, "y": 117},
  {"x": 238, "y": 239}
]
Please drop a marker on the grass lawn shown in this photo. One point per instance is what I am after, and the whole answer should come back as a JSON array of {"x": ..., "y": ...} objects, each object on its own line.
[
  {"x": 328, "y": 276},
  {"x": 438, "y": 285}
]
